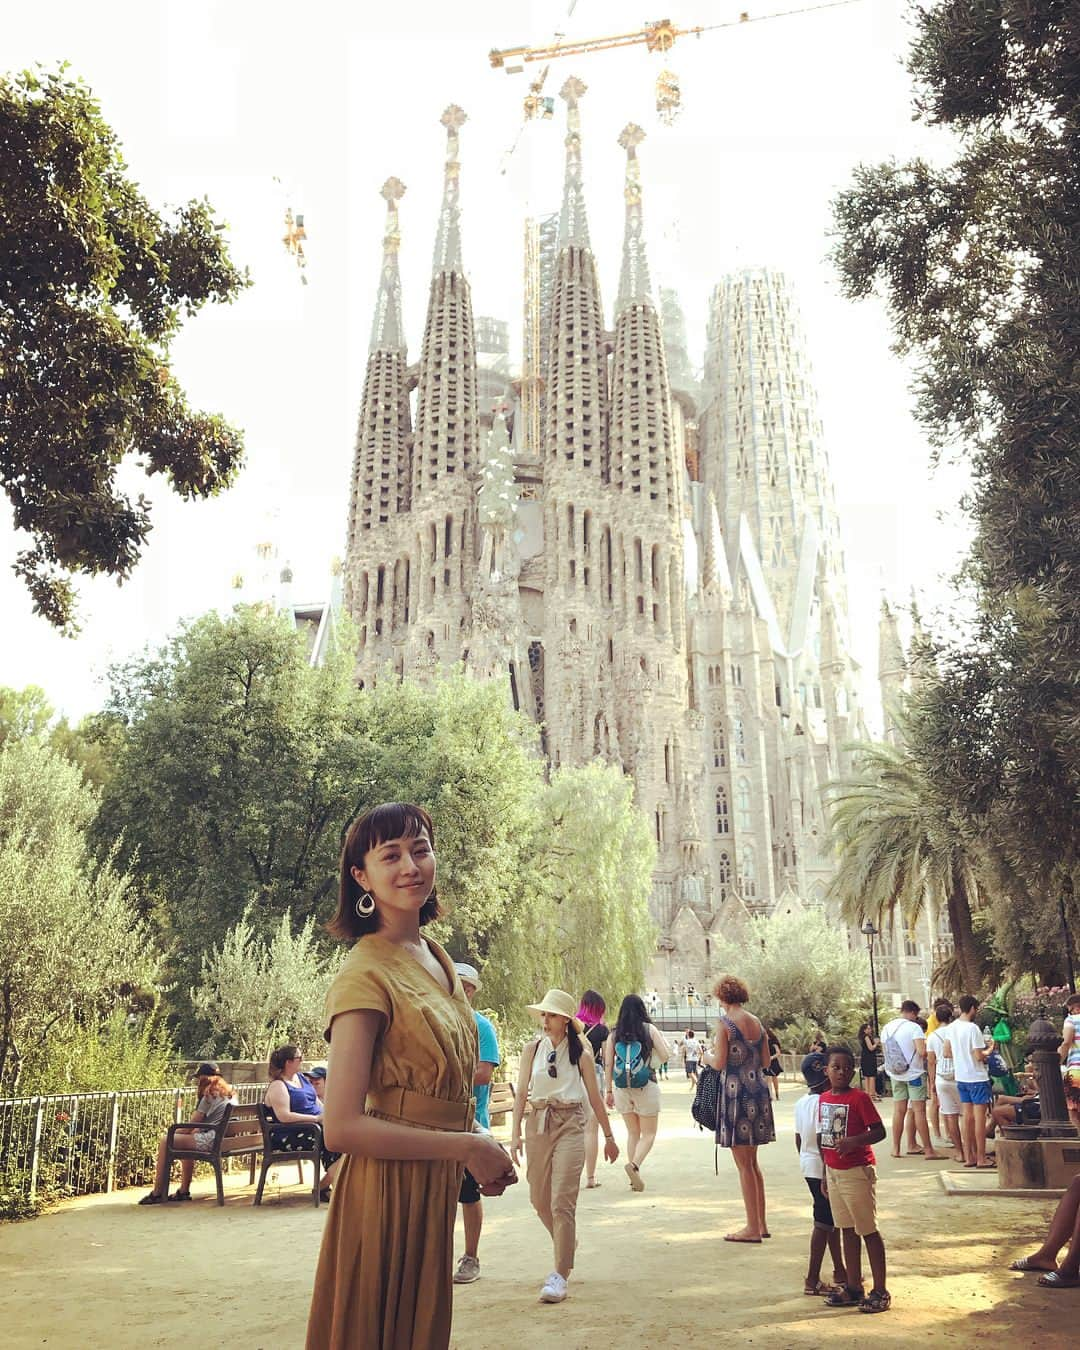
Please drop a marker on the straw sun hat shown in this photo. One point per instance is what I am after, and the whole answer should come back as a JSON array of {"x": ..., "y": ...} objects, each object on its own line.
[{"x": 559, "y": 1002}]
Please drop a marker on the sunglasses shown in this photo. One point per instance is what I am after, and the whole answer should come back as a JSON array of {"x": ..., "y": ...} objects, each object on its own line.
[{"x": 552, "y": 1070}]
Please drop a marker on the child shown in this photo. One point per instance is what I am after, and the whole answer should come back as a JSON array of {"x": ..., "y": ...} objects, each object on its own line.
[
  {"x": 824, "y": 1232},
  {"x": 848, "y": 1124}
]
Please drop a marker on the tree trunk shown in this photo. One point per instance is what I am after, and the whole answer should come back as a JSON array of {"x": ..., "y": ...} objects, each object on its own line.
[{"x": 968, "y": 960}]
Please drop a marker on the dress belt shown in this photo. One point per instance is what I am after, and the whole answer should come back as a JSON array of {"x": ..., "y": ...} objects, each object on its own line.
[
  {"x": 416, "y": 1108},
  {"x": 543, "y": 1108}
]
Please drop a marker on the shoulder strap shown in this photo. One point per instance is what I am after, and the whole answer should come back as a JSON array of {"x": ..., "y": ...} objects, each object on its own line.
[{"x": 532, "y": 1052}]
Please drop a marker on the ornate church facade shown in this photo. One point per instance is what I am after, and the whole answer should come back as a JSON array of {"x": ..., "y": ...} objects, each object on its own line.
[{"x": 649, "y": 562}]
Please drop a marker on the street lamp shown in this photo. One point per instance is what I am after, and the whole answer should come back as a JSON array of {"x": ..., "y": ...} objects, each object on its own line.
[{"x": 870, "y": 933}]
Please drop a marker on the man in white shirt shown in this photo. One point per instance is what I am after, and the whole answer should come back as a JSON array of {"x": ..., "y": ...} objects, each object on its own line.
[
  {"x": 966, "y": 1044},
  {"x": 904, "y": 1046}
]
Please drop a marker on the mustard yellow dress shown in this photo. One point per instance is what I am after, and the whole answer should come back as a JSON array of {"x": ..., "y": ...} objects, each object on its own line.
[{"x": 384, "y": 1279}]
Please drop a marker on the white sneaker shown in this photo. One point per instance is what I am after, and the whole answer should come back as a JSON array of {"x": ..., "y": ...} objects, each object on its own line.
[
  {"x": 468, "y": 1270},
  {"x": 554, "y": 1290}
]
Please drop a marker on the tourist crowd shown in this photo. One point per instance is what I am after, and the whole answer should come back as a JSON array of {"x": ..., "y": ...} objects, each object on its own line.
[{"x": 403, "y": 1123}]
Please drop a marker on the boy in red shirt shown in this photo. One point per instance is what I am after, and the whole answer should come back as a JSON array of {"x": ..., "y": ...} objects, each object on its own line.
[{"x": 848, "y": 1124}]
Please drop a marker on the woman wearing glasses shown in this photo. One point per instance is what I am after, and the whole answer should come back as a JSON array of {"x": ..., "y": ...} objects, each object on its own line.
[{"x": 557, "y": 1077}]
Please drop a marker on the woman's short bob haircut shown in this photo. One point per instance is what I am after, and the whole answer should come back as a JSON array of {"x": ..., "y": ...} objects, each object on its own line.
[
  {"x": 730, "y": 989},
  {"x": 391, "y": 820}
]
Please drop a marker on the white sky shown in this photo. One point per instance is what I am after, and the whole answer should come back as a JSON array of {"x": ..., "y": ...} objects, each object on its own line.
[{"x": 221, "y": 98}]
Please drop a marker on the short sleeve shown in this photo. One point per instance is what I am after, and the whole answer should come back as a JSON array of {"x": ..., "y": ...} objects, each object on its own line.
[
  {"x": 489, "y": 1043},
  {"x": 357, "y": 987},
  {"x": 869, "y": 1113},
  {"x": 204, "y": 1106}
]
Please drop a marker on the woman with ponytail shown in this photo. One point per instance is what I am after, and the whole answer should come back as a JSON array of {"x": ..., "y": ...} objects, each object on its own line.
[
  {"x": 399, "y": 1105},
  {"x": 590, "y": 1014},
  {"x": 557, "y": 1078}
]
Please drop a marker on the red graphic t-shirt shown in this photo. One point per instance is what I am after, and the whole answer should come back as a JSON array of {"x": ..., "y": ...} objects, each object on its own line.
[{"x": 841, "y": 1115}]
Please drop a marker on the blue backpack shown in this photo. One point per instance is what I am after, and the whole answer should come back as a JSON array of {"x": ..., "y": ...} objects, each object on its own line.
[{"x": 631, "y": 1067}]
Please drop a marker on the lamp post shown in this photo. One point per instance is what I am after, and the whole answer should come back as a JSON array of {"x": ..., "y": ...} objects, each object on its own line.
[{"x": 870, "y": 933}]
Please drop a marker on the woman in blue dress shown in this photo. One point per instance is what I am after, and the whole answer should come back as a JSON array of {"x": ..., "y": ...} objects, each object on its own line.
[
  {"x": 745, "y": 1120},
  {"x": 292, "y": 1100}
]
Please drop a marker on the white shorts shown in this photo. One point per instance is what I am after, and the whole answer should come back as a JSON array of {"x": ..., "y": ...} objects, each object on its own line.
[
  {"x": 948, "y": 1097},
  {"x": 642, "y": 1101}
]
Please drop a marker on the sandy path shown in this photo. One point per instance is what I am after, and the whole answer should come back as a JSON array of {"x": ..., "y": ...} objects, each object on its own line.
[{"x": 652, "y": 1270}]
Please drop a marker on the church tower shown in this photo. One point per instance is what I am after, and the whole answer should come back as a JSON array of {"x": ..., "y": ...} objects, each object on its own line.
[
  {"x": 380, "y": 494},
  {"x": 892, "y": 669},
  {"x": 648, "y": 647}
]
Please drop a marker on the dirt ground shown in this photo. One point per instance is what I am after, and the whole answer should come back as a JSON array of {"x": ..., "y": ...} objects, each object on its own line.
[{"x": 652, "y": 1268}]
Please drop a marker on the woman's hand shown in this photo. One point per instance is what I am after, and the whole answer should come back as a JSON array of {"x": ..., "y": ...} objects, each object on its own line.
[
  {"x": 488, "y": 1161},
  {"x": 515, "y": 1149},
  {"x": 609, "y": 1100},
  {"x": 611, "y": 1149}
]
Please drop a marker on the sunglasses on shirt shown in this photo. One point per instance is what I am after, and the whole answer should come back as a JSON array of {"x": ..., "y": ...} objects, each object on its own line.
[{"x": 552, "y": 1070}]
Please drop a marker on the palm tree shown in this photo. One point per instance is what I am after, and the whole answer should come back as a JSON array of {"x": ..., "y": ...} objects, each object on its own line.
[{"x": 900, "y": 849}]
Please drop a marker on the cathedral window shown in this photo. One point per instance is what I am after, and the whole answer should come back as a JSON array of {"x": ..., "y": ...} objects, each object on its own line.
[
  {"x": 724, "y": 874},
  {"x": 719, "y": 750},
  {"x": 736, "y": 675},
  {"x": 740, "y": 741},
  {"x": 747, "y": 873},
  {"x": 742, "y": 804},
  {"x": 723, "y": 822}
]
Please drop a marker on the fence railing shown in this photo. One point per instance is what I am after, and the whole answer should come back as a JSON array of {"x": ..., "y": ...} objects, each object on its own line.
[{"x": 86, "y": 1142}]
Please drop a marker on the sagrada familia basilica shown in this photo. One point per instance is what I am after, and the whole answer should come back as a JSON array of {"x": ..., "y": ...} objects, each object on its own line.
[{"x": 650, "y": 562}]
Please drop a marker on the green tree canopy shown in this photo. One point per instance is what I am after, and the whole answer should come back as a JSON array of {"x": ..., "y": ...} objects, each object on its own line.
[
  {"x": 72, "y": 948},
  {"x": 798, "y": 969},
  {"x": 93, "y": 284},
  {"x": 977, "y": 261}
]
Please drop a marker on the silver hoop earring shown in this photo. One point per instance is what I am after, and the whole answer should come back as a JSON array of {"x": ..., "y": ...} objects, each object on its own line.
[{"x": 365, "y": 906}]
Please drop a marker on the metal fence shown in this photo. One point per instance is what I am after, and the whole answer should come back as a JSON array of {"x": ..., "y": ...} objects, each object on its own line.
[{"x": 86, "y": 1142}]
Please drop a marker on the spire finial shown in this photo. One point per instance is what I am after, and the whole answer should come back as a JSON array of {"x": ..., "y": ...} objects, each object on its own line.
[
  {"x": 388, "y": 329},
  {"x": 448, "y": 238},
  {"x": 573, "y": 225},
  {"x": 634, "y": 277}
]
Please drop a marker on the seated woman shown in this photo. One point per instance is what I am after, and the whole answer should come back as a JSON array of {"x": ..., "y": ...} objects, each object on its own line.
[
  {"x": 214, "y": 1096},
  {"x": 1064, "y": 1228},
  {"x": 292, "y": 1100}
]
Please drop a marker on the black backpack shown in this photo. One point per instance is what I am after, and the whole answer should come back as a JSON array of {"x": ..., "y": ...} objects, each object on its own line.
[{"x": 705, "y": 1107}]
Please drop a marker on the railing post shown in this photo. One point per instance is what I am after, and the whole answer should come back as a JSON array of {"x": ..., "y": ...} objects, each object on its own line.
[
  {"x": 35, "y": 1148},
  {"x": 114, "y": 1133}
]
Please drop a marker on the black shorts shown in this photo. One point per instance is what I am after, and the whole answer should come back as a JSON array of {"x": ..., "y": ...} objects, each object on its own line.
[
  {"x": 470, "y": 1189},
  {"x": 822, "y": 1209},
  {"x": 691, "y": 1068}
]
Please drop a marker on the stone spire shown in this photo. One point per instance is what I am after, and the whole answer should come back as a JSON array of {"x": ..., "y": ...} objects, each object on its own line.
[
  {"x": 716, "y": 576},
  {"x": 576, "y": 401},
  {"x": 634, "y": 277},
  {"x": 388, "y": 329},
  {"x": 448, "y": 238},
  {"x": 381, "y": 469},
  {"x": 573, "y": 224},
  {"x": 892, "y": 669},
  {"x": 447, "y": 428}
]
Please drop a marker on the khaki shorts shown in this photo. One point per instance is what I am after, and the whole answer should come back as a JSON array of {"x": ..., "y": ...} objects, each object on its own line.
[
  {"x": 853, "y": 1198},
  {"x": 909, "y": 1092},
  {"x": 642, "y": 1101}
]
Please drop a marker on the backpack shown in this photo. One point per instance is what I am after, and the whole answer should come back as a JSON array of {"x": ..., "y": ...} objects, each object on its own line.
[
  {"x": 705, "y": 1107},
  {"x": 631, "y": 1068},
  {"x": 897, "y": 1063}
]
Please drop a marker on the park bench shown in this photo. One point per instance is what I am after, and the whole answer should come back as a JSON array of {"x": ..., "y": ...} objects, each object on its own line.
[
  {"x": 272, "y": 1155},
  {"x": 501, "y": 1101},
  {"x": 237, "y": 1133}
]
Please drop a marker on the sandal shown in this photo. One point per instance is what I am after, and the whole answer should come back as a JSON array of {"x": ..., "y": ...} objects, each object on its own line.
[
  {"x": 180, "y": 1195},
  {"x": 820, "y": 1289},
  {"x": 1053, "y": 1279},
  {"x": 1024, "y": 1265},
  {"x": 592, "y": 1185},
  {"x": 152, "y": 1199},
  {"x": 877, "y": 1300},
  {"x": 844, "y": 1298}
]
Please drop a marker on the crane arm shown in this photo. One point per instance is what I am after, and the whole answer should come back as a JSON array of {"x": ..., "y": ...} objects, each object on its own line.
[{"x": 656, "y": 36}]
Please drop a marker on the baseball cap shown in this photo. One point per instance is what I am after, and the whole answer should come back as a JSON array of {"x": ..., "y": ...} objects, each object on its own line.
[
  {"x": 317, "y": 1072},
  {"x": 813, "y": 1068},
  {"x": 207, "y": 1069},
  {"x": 468, "y": 973}
]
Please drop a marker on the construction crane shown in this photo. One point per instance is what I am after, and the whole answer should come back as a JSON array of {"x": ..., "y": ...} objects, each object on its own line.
[{"x": 659, "y": 36}]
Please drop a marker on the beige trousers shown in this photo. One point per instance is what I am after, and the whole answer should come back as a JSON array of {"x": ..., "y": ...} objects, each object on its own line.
[{"x": 555, "y": 1154}]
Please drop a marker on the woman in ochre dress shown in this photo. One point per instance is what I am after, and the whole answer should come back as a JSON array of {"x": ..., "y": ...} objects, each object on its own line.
[{"x": 398, "y": 1101}]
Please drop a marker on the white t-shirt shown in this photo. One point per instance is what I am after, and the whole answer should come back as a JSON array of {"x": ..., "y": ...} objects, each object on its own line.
[
  {"x": 806, "y": 1127},
  {"x": 691, "y": 1049},
  {"x": 565, "y": 1085},
  {"x": 965, "y": 1036},
  {"x": 943, "y": 1068},
  {"x": 906, "y": 1033}
]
